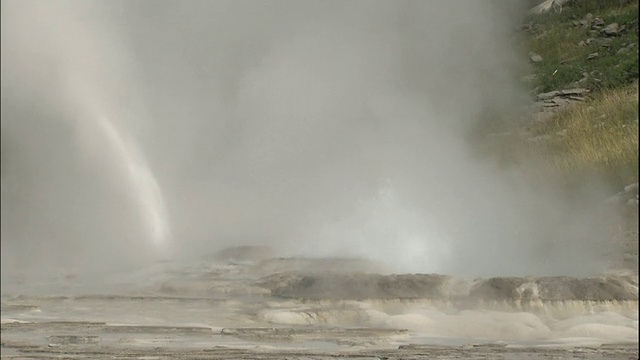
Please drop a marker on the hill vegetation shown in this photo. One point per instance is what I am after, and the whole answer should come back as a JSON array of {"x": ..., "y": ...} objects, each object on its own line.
[{"x": 583, "y": 128}]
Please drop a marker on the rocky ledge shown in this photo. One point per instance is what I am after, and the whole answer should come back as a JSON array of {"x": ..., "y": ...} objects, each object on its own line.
[{"x": 446, "y": 288}]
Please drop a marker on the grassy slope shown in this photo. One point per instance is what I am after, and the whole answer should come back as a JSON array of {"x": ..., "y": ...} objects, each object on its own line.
[
  {"x": 557, "y": 36},
  {"x": 592, "y": 140}
]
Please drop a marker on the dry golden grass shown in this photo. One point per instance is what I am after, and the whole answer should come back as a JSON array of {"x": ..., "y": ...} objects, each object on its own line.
[
  {"x": 596, "y": 140},
  {"x": 599, "y": 136}
]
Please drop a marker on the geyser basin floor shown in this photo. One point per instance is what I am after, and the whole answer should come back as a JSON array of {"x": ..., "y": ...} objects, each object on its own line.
[{"x": 272, "y": 309}]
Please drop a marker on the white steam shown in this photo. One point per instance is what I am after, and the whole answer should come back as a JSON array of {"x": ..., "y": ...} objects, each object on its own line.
[{"x": 316, "y": 127}]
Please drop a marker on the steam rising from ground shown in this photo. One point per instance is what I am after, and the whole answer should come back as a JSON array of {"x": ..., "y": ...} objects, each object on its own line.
[{"x": 316, "y": 127}]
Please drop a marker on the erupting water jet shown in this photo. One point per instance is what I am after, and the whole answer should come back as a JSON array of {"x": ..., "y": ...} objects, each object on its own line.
[{"x": 143, "y": 184}]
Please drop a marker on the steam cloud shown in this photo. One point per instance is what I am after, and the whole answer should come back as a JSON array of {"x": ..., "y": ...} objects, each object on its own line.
[{"x": 321, "y": 128}]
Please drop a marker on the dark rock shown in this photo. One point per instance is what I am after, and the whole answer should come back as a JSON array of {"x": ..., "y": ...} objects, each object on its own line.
[
  {"x": 587, "y": 20},
  {"x": 498, "y": 288},
  {"x": 611, "y": 29},
  {"x": 357, "y": 286},
  {"x": 548, "y": 95},
  {"x": 535, "y": 58},
  {"x": 601, "y": 289},
  {"x": 576, "y": 91},
  {"x": 606, "y": 42},
  {"x": 597, "y": 22},
  {"x": 440, "y": 287},
  {"x": 554, "y": 288}
]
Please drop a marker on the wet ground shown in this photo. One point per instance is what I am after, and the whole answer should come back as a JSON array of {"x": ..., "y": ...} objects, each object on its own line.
[{"x": 241, "y": 306}]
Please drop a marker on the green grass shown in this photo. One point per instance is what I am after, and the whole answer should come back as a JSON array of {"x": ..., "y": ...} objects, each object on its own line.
[
  {"x": 565, "y": 61},
  {"x": 589, "y": 142},
  {"x": 594, "y": 139}
]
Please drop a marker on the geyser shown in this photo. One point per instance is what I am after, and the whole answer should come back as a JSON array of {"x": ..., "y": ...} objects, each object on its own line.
[
  {"x": 144, "y": 186},
  {"x": 326, "y": 143},
  {"x": 78, "y": 192},
  {"x": 319, "y": 128}
]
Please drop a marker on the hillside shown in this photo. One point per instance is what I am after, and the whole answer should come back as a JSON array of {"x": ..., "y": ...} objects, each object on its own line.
[{"x": 583, "y": 127}]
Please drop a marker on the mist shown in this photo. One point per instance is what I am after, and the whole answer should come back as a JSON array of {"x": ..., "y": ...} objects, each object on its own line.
[{"x": 319, "y": 128}]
